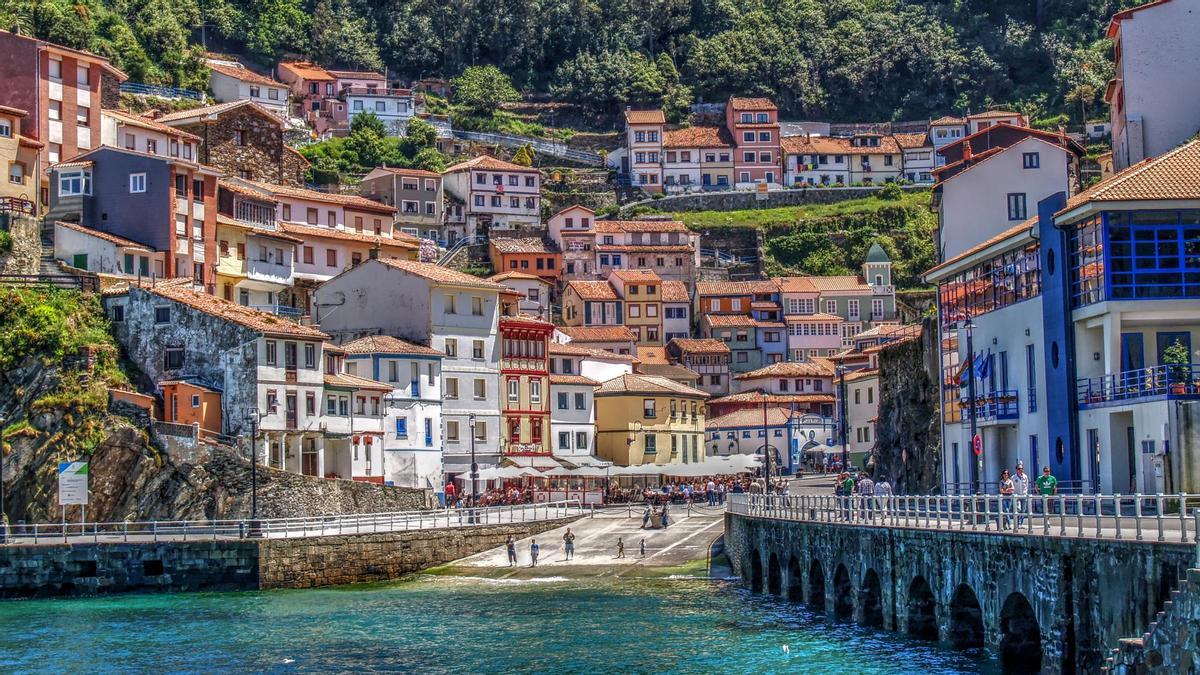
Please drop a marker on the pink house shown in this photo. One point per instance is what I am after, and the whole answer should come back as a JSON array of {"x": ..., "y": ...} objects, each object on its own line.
[{"x": 754, "y": 125}]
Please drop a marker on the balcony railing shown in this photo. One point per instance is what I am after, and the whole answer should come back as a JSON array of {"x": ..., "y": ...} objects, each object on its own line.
[
  {"x": 997, "y": 406},
  {"x": 280, "y": 310},
  {"x": 1167, "y": 382}
]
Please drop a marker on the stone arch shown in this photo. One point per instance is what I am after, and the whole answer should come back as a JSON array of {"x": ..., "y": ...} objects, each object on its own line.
[
  {"x": 756, "y": 571},
  {"x": 843, "y": 594},
  {"x": 1020, "y": 636},
  {"x": 921, "y": 610},
  {"x": 816, "y": 586},
  {"x": 774, "y": 576},
  {"x": 795, "y": 586},
  {"x": 966, "y": 618},
  {"x": 870, "y": 598}
]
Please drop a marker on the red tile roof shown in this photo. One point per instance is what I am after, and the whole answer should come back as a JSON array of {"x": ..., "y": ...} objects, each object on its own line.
[
  {"x": 636, "y": 276},
  {"x": 700, "y": 346},
  {"x": 756, "y": 397},
  {"x": 827, "y": 145},
  {"x": 105, "y": 236},
  {"x": 506, "y": 276},
  {"x": 813, "y": 368},
  {"x": 631, "y": 226},
  {"x": 346, "y": 381},
  {"x": 913, "y": 141},
  {"x": 574, "y": 349},
  {"x": 262, "y": 322},
  {"x": 646, "y": 384},
  {"x": 386, "y": 344},
  {"x": 218, "y": 109},
  {"x": 523, "y": 245},
  {"x": 796, "y": 285},
  {"x": 442, "y": 275},
  {"x": 738, "y": 103},
  {"x": 243, "y": 74},
  {"x": 353, "y": 201},
  {"x": 404, "y": 241},
  {"x": 819, "y": 316},
  {"x": 729, "y": 320},
  {"x": 147, "y": 123},
  {"x": 645, "y": 117},
  {"x": 588, "y": 334},
  {"x": 489, "y": 163},
  {"x": 777, "y": 416},
  {"x": 697, "y": 137},
  {"x": 947, "y": 121},
  {"x": 1173, "y": 176},
  {"x": 592, "y": 290},
  {"x": 674, "y": 291},
  {"x": 707, "y": 288},
  {"x": 578, "y": 380},
  {"x": 839, "y": 283},
  {"x": 307, "y": 70},
  {"x": 993, "y": 114}
]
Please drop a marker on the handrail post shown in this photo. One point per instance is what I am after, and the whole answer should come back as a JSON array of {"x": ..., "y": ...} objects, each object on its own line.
[
  {"x": 1137, "y": 514},
  {"x": 1098, "y": 503},
  {"x": 1182, "y": 518},
  {"x": 1158, "y": 515},
  {"x": 1116, "y": 516}
]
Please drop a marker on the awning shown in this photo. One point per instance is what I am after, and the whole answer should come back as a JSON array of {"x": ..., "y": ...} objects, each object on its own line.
[
  {"x": 532, "y": 461},
  {"x": 584, "y": 460}
]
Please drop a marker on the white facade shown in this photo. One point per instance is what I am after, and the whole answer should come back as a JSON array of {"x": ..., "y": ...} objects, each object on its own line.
[
  {"x": 1154, "y": 94},
  {"x": 862, "y": 409},
  {"x": 102, "y": 252},
  {"x": 122, "y": 130},
  {"x": 943, "y": 133},
  {"x": 247, "y": 86},
  {"x": 572, "y": 419},
  {"x": 919, "y": 164},
  {"x": 497, "y": 195},
  {"x": 393, "y": 107},
  {"x": 975, "y": 203}
]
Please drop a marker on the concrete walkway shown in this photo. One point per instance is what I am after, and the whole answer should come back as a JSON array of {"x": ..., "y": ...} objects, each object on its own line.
[{"x": 682, "y": 547}]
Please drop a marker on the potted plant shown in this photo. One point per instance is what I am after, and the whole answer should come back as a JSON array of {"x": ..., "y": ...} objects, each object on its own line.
[{"x": 1177, "y": 360}]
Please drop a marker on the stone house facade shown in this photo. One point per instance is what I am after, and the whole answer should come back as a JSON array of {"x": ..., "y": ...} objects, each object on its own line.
[{"x": 243, "y": 139}]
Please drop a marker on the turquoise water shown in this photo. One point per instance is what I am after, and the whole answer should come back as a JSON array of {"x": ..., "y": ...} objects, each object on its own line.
[{"x": 457, "y": 625}]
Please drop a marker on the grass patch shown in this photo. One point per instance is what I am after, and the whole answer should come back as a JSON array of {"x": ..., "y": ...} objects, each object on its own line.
[
  {"x": 784, "y": 216},
  {"x": 5, "y": 242}
]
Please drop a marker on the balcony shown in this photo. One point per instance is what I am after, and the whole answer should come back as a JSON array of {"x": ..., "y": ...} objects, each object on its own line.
[
  {"x": 997, "y": 407},
  {"x": 1161, "y": 383},
  {"x": 280, "y": 310}
]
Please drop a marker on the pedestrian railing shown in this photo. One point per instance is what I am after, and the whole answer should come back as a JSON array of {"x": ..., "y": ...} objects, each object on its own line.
[
  {"x": 287, "y": 528},
  {"x": 1155, "y": 518}
]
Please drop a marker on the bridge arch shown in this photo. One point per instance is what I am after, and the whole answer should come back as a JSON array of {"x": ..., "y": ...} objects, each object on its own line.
[
  {"x": 795, "y": 580},
  {"x": 843, "y": 594},
  {"x": 966, "y": 618},
  {"x": 870, "y": 598},
  {"x": 921, "y": 610},
  {"x": 816, "y": 586},
  {"x": 1020, "y": 636},
  {"x": 774, "y": 576},
  {"x": 756, "y": 571}
]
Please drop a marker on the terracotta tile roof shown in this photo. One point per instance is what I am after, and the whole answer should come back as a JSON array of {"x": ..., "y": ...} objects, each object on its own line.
[
  {"x": 587, "y": 334},
  {"x": 652, "y": 355},
  {"x": 705, "y": 288},
  {"x": 592, "y": 290},
  {"x": 819, "y": 316},
  {"x": 738, "y": 103},
  {"x": 356, "y": 74},
  {"x": 105, "y": 236},
  {"x": 353, "y": 201},
  {"x": 386, "y": 344},
  {"x": 262, "y": 322},
  {"x": 217, "y": 109},
  {"x": 572, "y": 380},
  {"x": 674, "y": 291},
  {"x": 976, "y": 158},
  {"x": 442, "y": 275},
  {"x": 631, "y": 226},
  {"x": 241, "y": 188},
  {"x": 812, "y": 368},
  {"x": 698, "y": 137},
  {"x": 862, "y": 374},
  {"x": 728, "y": 320},
  {"x": 347, "y": 381},
  {"x": 797, "y": 285},
  {"x": 636, "y": 276},
  {"x": 646, "y": 384},
  {"x": 642, "y": 248},
  {"x": 946, "y": 121},
  {"x": 256, "y": 229},
  {"x": 147, "y": 123},
  {"x": 671, "y": 371},
  {"x": 840, "y": 283},
  {"x": 993, "y": 114},
  {"x": 700, "y": 346},
  {"x": 1169, "y": 177},
  {"x": 74, "y": 164},
  {"x": 307, "y": 70},
  {"x": 412, "y": 173},
  {"x": 523, "y": 245},
  {"x": 404, "y": 241},
  {"x": 913, "y": 141},
  {"x": 573, "y": 349},
  {"x": 764, "y": 304},
  {"x": 756, "y": 397},
  {"x": 33, "y": 143},
  {"x": 243, "y": 74},
  {"x": 1011, "y": 233},
  {"x": 890, "y": 331},
  {"x": 777, "y": 416},
  {"x": 981, "y": 141},
  {"x": 506, "y": 276},
  {"x": 828, "y": 145},
  {"x": 489, "y": 163},
  {"x": 645, "y": 117},
  {"x": 19, "y": 112}
]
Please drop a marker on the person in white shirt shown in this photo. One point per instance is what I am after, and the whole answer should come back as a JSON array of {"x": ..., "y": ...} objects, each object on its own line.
[{"x": 1020, "y": 491}]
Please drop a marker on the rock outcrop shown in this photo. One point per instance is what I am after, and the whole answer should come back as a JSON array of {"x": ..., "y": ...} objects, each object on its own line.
[{"x": 908, "y": 434}]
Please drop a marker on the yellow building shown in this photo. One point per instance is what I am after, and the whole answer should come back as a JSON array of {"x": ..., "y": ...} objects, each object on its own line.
[
  {"x": 641, "y": 291},
  {"x": 19, "y": 157},
  {"x": 255, "y": 263},
  {"x": 647, "y": 419}
]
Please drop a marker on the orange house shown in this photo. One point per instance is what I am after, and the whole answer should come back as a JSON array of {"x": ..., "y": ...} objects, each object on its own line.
[
  {"x": 529, "y": 255},
  {"x": 189, "y": 403}
]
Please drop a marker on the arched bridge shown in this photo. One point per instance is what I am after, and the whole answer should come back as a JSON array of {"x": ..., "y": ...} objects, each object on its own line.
[{"x": 1052, "y": 591}]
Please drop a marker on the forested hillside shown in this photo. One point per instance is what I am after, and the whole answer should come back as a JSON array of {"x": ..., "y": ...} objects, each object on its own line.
[{"x": 847, "y": 60}]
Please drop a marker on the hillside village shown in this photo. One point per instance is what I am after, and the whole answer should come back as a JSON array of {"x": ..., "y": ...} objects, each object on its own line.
[{"x": 411, "y": 325}]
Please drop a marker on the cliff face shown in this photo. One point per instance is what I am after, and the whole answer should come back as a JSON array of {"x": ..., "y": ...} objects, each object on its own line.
[{"x": 908, "y": 433}]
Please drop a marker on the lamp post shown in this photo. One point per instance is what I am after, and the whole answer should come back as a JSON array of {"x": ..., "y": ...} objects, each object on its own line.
[
  {"x": 978, "y": 473},
  {"x": 253, "y": 417},
  {"x": 841, "y": 373},
  {"x": 766, "y": 442},
  {"x": 474, "y": 465},
  {"x": 3, "y": 530}
]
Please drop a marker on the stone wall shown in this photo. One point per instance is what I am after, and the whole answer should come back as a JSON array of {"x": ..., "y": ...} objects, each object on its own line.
[
  {"x": 1083, "y": 594},
  {"x": 332, "y": 561},
  {"x": 25, "y": 255},
  {"x": 262, "y": 157},
  {"x": 736, "y": 200},
  {"x": 908, "y": 432},
  {"x": 1172, "y": 642}
]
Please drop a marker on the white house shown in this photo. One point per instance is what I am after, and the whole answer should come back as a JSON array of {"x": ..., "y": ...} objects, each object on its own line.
[
  {"x": 412, "y": 427},
  {"x": 497, "y": 194},
  {"x": 676, "y": 311},
  {"x": 456, "y": 313},
  {"x": 534, "y": 291},
  {"x": 140, "y": 134},
  {"x": 918, "y": 157},
  {"x": 231, "y": 81},
  {"x": 87, "y": 249},
  {"x": 945, "y": 131},
  {"x": 393, "y": 107}
]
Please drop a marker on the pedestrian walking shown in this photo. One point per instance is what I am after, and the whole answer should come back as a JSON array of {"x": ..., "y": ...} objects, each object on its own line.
[
  {"x": 646, "y": 517},
  {"x": 1047, "y": 486},
  {"x": 1006, "y": 491},
  {"x": 534, "y": 549},
  {"x": 866, "y": 492},
  {"x": 883, "y": 493},
  {"x": 620, "y": 547},
  {"x": 847, "y": 494},
  {"x": 665, "y": 519},
  {"x": 569, "y": 544},
  {"x": 511, "y": 545},
  {"x": 1021, "y": 492},
  {"x": 642, "y": 546}
]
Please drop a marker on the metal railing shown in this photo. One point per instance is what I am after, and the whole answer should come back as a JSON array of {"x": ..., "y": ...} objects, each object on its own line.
[
  {"x": 1170, "y": 381},
  {"x": 287, "y": 528},
  {"x": 280, "y": 310},
  {"x": 997, "y": 406},
  {"x": 80, "y": 283},
  {"x": 17, "y": 205},
  {"x": 539, "y": 145},
  {"x": 1154, "y": 518},
  {"x": 160, "y": 91}
]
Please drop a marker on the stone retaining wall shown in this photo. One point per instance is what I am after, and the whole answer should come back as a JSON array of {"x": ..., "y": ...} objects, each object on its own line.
[
  {"x": 1172, "y": 642},
  {"x": 26, "y": 253},
  {"x": 736, "y": 200}
]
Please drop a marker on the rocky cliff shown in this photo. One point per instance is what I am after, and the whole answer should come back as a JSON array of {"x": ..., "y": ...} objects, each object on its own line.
[{"x": 908, "y": 434}]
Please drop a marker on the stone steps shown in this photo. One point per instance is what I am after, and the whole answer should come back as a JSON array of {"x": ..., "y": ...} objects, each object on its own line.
[{"x": 1170, "y": 644}]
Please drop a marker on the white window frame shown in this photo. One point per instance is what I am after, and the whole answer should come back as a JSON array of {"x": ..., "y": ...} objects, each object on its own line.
[{"x": 137, "y": 183}]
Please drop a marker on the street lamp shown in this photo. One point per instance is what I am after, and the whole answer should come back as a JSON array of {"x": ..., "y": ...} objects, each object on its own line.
[
  {"x": 841, "y": 373},
  {"x": 253, "y": 416},
  {"x": 474, "y": 465},
  {"x": 766, "y": 440},
  {"x": 3, "y": 530},
  {"x": 970, "y": 328}
]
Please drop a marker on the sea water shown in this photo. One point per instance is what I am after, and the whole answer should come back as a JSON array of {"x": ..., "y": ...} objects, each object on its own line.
[{"x": 434, "y": 624}]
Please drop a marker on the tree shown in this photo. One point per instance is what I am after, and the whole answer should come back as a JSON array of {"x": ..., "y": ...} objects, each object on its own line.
[
  {"x": 367, "y": 122},
  {"x": 340, "y": 37},
  {"x": 420, "y": 135},
  {"x": 523, "y": 156},
  {"x": 429, "y": 159},
  {"x": 481, "y": 90}
]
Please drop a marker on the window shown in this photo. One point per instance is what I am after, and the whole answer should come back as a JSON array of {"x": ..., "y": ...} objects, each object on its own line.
[
  {"x": 452, "y": 431},
  {"x": 477, "y": 349},
  {"x": 477, "y": 306},
  {"x": 535, "y": 391},
  {"x": 452, "y": 388},
  {"x": 1016, "y": 206},
  {"x": 74, "y": 183},
  {"x": 480, "y": 430},
  {"x": 55, "y": 109},
  {"x": 580, "y": 401},
  {"x": 564, "y": 440},
  {"x": 1031, "y": 160},
  {"x": 764, "y": 136},
  {"x": 513, "y": 389},
  {"x": 764, "y": 157},
  {"x": 563, "y": 400},
  {"x": 5, "y": 129},
  {"x": 173, "y": 358},
  {"x": 310, "y": 356},
  {"x": 16, "y": 173},
  {"x": 118, "y": 313},
  {"x": 651, "y": 444},
  {"x": 82, "y": 114},
  {"x": 239, "y": 136},
  {"x": 648, "y": 408},
  {"x": 748, "y": 136},
  {"x": 137, "y": 182},
  {"x": 451, "y": 347},
  {"x": 162, "y": 315},
  {"x": 480, "y": 391},
  {"x": 331, "y": 257},
  {"x": 748, "y": 157},
  {"x": 581, "y": 440},
  {"x": 310, "y": 215}
]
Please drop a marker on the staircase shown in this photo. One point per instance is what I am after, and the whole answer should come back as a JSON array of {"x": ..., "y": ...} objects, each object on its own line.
[
  {"x": 464, "y": 244},
  {"x": 1172, "y": 642},
  {"x": 47, "y": 265}
]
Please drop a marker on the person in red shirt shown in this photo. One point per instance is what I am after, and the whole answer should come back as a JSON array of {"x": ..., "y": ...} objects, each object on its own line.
[{"x": 449, "y": 492}]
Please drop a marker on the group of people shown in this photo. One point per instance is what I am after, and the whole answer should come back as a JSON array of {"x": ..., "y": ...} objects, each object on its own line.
[
  {"x": 568, "y": 539},
  {"x": 868, "y": 491},
  {"x": 1016, "y": 485}
]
